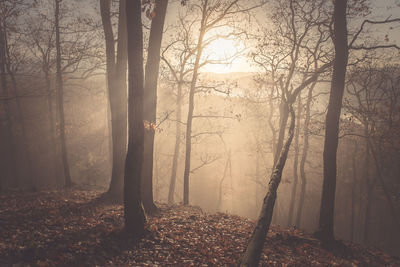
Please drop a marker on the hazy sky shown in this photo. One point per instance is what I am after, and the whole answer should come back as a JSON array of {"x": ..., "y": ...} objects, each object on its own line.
[{"x": 381, "y": 9}]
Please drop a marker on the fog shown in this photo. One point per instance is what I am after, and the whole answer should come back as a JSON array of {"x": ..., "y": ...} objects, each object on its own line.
[{"x": 237, "y": 117}]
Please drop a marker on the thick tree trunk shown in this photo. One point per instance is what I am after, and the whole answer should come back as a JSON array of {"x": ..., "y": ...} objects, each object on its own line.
[
  {"x": 171, "y": 191},
  {"x": 133, "y": 209},
  {"x": 295, "y": 162},
  {"x": 60, "y": 99},
  {"x": 251, "y": 256},
  {"x": 326, "y": 218},
  {"x": 150, "y": 101},
  {"x": 116, "y": 80}
]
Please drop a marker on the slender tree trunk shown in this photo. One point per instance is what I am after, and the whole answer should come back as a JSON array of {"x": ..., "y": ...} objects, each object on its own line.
[
  {"x": 22, "y": 122},
  {"x": 134, "y": 214},
  {"x": 353, "y": 190},
  {"x": 20, "y": 117},
  {"x": 51, "y": 118},
  {"x": 190, "y": 114},
  {"x": 326, "y": 217},
  {"x": 227, "y": 164},
  {"x": 367, "y": 216},
  {"x": 295, "y": 162},
  {"x": 150, "y": 101},
  {"x": 172, "y": 183},
  {"x": 12, "y": 161},
  {"x": 270, "y": 118},
  {"x": 60, "y": 99},
  {"x": 251, "y": 256},
  {"x": 369, "y": 188},
  {"x": 257, "y": 183},
  {"x": 379, "y": 173},
  {"x": 304, "y": 155},
  {"x": 284, "y": 115}
]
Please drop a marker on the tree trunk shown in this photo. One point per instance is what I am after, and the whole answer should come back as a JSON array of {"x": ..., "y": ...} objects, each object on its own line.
[
  {"x": 379, "y": 174},
  {"x": 116, "y": 80},
  {"x": 284, "y": 115},
  {"x": 367, "y": 216},
  {"x": 227, "y": 164},
  {"x": 369, "y": 188},
  {"x": 190, "y": 114},
  {"x": 295, "y": 162},
  {"x": 11, "y": 161},
  {"x": 51, "y": 118},
  {"x": 60, "y": 99},
  {"x": 21, "y": 119},
  {"x": 326, "y": 217},
  {"x": 304, "y": 155},
  {"x": 171, "y": 191},
  {"x": 150, "y": 101},
  {"x": 251, "y": 256},
  {"x": 133, "y": 209},
  {"x": 353, "y": 190}
]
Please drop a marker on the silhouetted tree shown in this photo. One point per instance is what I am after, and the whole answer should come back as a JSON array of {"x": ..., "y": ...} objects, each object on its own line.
[
  {"x": 251, "y": 256},
  {"x": 116, "y": 81},
  {"x": 60, "y": 98},
  {"x": 150, "y": 100},
  {"x": 212, "y": 15},
  {"x": 134, "y": 213},
  {"x": 325, "y": 231}
]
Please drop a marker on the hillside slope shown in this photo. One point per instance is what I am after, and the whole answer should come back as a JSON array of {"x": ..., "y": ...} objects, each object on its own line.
[{"x": 74, "y": 228}]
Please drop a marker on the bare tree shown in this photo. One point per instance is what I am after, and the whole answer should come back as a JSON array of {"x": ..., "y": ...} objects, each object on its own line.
[
  {"x": 212, "y": 14},
  {"x": 304, "y": 154},
  {"x": 368, "y": 90},
  {"x": 134, "y": 213},
  {"x": 150, "y": 100},
  {"x": 60, "y": 98},
  {"x": 11, "y": 61},
  {"x": 296, "y": 160},
  {"x": 251, "y": 256},
  {"x": 116, "y": 80},
  {"x": 325, "y": 231}
]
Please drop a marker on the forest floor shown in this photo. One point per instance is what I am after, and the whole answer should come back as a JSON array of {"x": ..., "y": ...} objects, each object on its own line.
[{"x": 74, "y": 228}]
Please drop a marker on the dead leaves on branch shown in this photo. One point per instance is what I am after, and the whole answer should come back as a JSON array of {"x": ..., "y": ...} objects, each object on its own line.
[{"x": 72, "y": 228}]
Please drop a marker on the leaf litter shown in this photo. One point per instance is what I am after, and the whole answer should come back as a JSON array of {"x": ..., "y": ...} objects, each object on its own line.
[{"x": 76, "y": 228}]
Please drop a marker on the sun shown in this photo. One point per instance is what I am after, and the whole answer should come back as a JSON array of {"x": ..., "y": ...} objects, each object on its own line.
[{"x": 224, "y": 54}]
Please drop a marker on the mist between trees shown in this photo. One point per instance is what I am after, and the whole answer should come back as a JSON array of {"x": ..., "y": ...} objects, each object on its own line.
[{"x": 211, "y": 136}]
